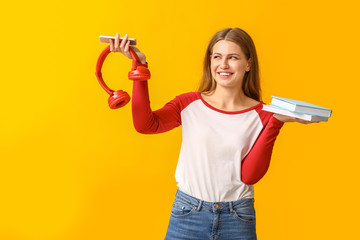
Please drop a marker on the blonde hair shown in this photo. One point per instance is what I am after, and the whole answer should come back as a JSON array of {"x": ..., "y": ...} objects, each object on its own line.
[{"x": 251, "y": 81}]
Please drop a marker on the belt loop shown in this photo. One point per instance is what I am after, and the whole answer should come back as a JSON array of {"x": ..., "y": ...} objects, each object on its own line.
[
  {"x": 199, "y": 206},
  {"x": 231, "y": 207}
]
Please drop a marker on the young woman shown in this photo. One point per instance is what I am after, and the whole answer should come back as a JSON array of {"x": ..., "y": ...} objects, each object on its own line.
[{"x": 227, "y": 140}]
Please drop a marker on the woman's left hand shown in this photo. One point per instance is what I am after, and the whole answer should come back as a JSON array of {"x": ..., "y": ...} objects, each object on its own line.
[{"x": 284, "y": 118}]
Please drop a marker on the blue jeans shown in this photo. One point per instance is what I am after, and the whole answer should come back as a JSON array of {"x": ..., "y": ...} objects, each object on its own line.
[{"x": 194, "y": 219}]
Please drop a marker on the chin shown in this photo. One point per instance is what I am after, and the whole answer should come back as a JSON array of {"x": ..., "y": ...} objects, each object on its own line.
[{"x": 227, "y": 84}]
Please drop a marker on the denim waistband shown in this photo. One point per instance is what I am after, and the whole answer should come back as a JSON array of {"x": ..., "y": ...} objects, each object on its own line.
[{"x": 221, "y": 206}]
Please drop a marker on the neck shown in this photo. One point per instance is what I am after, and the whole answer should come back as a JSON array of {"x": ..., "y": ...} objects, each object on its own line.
[{"x": 229, "y": 98}]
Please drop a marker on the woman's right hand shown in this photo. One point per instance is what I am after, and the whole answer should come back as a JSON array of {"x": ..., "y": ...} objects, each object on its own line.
[
  {"x": 284, "y": 118},
  {"x": 124, "y": 46}
]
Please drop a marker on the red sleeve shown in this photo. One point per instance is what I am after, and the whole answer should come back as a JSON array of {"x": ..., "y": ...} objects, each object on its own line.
[
  {"x": 256, "y": 163},
  {"x": 147, "y": 121}
]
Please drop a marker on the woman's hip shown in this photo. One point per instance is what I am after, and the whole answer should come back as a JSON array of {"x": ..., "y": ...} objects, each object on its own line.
[{"x": 192, "y": 218}]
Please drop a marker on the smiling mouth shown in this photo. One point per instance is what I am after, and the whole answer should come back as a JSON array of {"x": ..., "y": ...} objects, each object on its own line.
[{"x": 224, "y": 75}]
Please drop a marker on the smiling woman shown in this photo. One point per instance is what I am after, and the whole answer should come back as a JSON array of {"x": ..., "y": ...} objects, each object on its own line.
[
  {"x": 237, "y": 44},
  {"x": 227, "y": 140},
  {"x": 229, "y": 65}
]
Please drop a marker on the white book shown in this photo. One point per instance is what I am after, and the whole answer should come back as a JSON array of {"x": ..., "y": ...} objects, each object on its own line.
[
  {"x": 308, "y": 117},
  {"x": 300, "y": 106}
]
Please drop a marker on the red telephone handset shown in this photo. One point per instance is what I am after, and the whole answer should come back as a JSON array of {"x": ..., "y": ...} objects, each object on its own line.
[{"x": 139, "y": 72}]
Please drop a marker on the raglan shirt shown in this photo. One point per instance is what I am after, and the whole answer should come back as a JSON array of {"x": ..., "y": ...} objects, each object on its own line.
[{"x": 223, "y": 153}]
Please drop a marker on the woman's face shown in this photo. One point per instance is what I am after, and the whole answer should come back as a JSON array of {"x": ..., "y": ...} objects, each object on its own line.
[{"x": 228, "y": 64}]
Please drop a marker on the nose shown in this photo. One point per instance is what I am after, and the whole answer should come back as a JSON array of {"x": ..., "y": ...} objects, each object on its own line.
[{"x": 224, "y": 64}]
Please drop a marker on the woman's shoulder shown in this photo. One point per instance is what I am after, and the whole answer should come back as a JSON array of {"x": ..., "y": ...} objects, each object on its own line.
[
  {"x": 183, "y": 100},
  {"x": 253, "y": 102},
  {"x": 265, "y": 116},
  {"x": 188, "y": 97},
  {"x": 192, "y": 95}
]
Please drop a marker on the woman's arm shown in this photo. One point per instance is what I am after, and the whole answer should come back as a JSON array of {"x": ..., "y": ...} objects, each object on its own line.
[
  {"x": 256, "y": 163},
  {"x": 147, "y": 121}
]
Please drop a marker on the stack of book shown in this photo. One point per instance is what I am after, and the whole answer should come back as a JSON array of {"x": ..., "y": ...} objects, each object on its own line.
[{"x": 298, "y": 109}]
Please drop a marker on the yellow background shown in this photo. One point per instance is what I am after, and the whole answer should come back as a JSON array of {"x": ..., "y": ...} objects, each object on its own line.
[{"x": 71, "y": 168}]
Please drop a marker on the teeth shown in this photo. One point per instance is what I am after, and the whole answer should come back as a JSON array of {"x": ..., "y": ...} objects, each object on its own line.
[{"x": 224, "y": 74}]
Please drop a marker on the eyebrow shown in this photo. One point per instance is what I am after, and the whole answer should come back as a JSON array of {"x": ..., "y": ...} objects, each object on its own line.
[{"x": 229, "y": 54}]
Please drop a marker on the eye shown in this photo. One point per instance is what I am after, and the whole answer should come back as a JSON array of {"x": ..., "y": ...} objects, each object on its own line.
[
  {"x": 216, "y": 56},
  {"x": 233, "y": 57}
]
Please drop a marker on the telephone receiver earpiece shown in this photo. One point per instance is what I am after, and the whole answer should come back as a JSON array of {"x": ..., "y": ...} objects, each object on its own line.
[{"x": 139, "y": 72}]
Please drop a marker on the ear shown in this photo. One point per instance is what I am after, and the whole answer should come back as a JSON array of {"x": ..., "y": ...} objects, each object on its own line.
[{"x": 248, "y": 66}]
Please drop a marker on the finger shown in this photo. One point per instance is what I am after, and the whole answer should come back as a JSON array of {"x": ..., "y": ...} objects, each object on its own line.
[
  {"x": 292, "y": 119},
  {"x": 127, "y": 46},
  {"x": 299, "y": 120},
  {"x": 117, "y": 40},
  {"x": 122, "y": 44},
  {"x": 305, "y": 122},
  {"x": 111, "y": 45}
]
